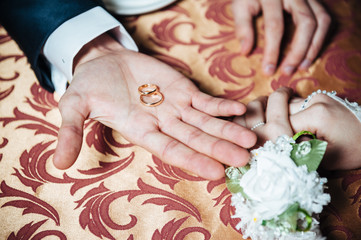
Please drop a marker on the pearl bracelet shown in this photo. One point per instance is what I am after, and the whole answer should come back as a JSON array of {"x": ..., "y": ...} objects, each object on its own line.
[{"x": 308, "y": 99}]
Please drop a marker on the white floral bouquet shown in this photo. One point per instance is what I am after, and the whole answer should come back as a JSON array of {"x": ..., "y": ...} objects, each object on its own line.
[{"x": 279, "y": 193}]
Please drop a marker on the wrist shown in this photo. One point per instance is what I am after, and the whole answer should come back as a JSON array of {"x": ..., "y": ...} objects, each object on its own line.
[{"x": 98, "y": 47}]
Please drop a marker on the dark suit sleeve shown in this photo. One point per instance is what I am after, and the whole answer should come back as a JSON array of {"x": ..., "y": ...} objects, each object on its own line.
[{"x": 30, "y": 22}]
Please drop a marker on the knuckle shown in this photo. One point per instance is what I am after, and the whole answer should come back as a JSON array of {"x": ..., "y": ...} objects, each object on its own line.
[
  {"x": 228, "y": 127},
  {"x": 204, "y": 120},
  {"x": 68, "y": 100},
  {"x": 62, "y": 103},
  {"x": 193, "y": 135},
  {"x": 320, "y": 112},
  {"x": 251, "y": 7},
  {"x": 309, "y": 22},
  {"x": 169, "y": 148},
  {"x": 221, "y": 104},
  {"x": 168, "y": 124},
  {"x": 324, "y": 19},
  {"x": 216, "y": 146}
]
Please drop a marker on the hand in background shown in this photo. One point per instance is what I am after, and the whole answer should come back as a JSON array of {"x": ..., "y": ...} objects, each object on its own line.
[
  {"x": 333, "y": 122},
  {"x": 311, "y": 20},
  {"x": 182, "y": 131}
]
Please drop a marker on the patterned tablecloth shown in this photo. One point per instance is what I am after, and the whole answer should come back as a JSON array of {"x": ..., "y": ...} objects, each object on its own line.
[{"x": 117, "y": 190}]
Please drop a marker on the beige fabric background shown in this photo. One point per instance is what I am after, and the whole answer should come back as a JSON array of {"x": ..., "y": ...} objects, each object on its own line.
[{"x": 119, "y": 191}]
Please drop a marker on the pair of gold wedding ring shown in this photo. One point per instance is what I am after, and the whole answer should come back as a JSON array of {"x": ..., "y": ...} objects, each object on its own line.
[{"x": 150, "y": 95}]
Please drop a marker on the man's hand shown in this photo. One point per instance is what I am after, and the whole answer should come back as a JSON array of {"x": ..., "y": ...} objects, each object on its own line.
[
  {"x": 309, "y": 16},
  {"x": 182, "y": 131}
]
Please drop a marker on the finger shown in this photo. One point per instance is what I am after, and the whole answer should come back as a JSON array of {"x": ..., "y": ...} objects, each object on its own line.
[
  {"x": 243, "y": 12},
  {"x": 295, "y": 105},
  {"x": 277, "y": 106},
  {"x": 177, "y": 154},
  {"x": 255, "y": 112},
  {"x": 70, "y": 135},
  {"x": 315, "y": 115},
  {"x": 323, "y": 23},
  {"x": 217, "y": 106},
  {"x": 301, "y": 120},
  {"x": 240, "y": 120},
  {"x": 274, "y": 28},
  {"x": 220, "y": 128},
  {"x": 305, "y": 22},
  {"x": 218, "y": 149}
]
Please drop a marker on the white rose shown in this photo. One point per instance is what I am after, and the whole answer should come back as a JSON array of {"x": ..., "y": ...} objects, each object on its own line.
[{"x": 271, "y": 184}]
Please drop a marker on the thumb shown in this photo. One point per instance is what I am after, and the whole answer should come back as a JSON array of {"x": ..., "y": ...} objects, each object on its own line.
[{"x": 70, "y": 135}]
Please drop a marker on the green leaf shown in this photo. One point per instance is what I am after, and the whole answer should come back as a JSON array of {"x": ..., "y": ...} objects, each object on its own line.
[
  {"x": 288, "y": 219},
  {"x": 290, "y": 216},
  {"x": 233, "y": 185},
  {"x": 309, "y": 153},
  {"x": 233, "y": 176}
]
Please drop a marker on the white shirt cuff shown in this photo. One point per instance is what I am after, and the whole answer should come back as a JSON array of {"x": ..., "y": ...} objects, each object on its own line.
[{"x": 66, "y": 41}]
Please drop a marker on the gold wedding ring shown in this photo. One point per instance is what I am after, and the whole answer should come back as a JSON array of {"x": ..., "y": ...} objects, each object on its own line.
[
  {"x": 150, "y": 95},
  {"x": 146, "y": 89},
  {"x": 152, "y": 100}
]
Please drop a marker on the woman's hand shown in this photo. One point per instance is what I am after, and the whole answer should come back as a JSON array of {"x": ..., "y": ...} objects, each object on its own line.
[
  {"x": 311, "y": 20},
  {"x": 331, "y": 121},
  {"x": 268, "y": 117},
  {"x": 325, "y": 117}
]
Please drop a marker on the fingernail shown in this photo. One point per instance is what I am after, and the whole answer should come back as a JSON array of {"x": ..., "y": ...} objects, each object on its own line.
[
  {"x": 269, "y": 69},
  {"x": 305, "y": 64},
  {"x": 288, "y": 70}
]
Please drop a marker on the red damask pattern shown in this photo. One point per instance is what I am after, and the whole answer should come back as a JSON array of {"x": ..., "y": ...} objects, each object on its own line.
[
  {"x": 28, "y": 231},
  {"x": 169, "y": 231},
  {"x": 117, "y": 190}
]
